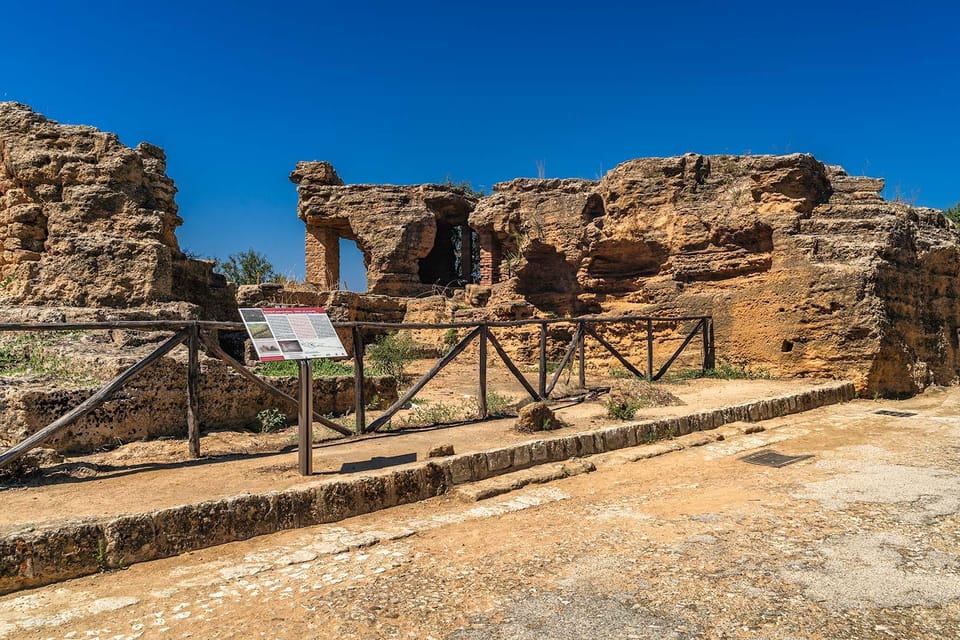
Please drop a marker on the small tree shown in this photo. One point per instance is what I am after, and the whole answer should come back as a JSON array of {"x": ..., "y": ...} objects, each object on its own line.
[
  {"x": 392, "y": 353},
  {"x": 248, "y": 267}
]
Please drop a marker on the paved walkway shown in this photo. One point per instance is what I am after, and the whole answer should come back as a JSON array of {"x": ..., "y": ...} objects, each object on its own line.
[{"x": 861, "y": 540}]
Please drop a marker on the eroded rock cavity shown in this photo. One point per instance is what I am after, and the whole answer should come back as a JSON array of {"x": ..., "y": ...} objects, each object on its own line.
[{"x": 807, "y": 271}]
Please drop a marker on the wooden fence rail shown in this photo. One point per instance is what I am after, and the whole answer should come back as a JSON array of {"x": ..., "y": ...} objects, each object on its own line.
[{"x": 193, "y": 333}]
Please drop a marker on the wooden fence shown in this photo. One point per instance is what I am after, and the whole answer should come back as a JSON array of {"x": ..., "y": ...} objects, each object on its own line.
[{"x": 194, "y": 332}]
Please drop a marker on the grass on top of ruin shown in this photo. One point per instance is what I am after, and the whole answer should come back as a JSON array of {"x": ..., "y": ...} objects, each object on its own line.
[{"x": 34, "y": 354}]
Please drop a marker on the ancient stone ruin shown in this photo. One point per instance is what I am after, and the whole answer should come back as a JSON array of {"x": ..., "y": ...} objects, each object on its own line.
[
  {"x": 411, "y": 237},
  {"x": 88, "y": 222},
  {"x": 88, "y": 234},
  {"x": 807, "y": 270}
]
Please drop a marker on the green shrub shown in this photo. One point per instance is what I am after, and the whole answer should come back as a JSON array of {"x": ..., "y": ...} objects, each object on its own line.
[
  {"x": 247, "y": 267},
  {"x": 331, "y": 368},
  {"x": 271, "y": 420},
  {"x": 953, "y": 213},
  {"x": 391, "y": 354},
  {"x": 500, "y": 405},
  {"x": 450, "y": 339}
]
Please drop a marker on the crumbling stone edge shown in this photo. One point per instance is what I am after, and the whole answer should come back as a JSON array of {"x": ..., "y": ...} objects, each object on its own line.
[{"x": 67, "y": 550}]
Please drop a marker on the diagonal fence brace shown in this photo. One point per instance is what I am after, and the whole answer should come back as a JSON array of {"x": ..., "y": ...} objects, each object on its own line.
[
  {"x": 513, "y": 368},
  {"x": 427, "y": 377},
  {"x": 218, "y": 351},
  {"x": 616, "y": 354},
  {"x": 93, "y": 402}
]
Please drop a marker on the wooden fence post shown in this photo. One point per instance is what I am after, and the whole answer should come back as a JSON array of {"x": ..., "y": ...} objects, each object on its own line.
[
  {"x": 583, "y": 356},
  {"x": 482, "y": 402},
  {"x": 193, "y": 390},
  {"x": 358, "y": 380},
  {"x": 649, "y": 350},
  {"x": 543, "y": 361}
]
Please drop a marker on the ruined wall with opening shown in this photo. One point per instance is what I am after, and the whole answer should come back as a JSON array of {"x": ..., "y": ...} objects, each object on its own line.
[
  {"x": 807, "y": 271},
  {"x": 406, "y": 233}
]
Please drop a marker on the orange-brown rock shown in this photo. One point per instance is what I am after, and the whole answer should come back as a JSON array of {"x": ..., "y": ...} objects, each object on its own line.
[
  {"x": 88, "y": 222},
  {"x": 406, "y": 233},
  {"x": 806, "y": 270}
]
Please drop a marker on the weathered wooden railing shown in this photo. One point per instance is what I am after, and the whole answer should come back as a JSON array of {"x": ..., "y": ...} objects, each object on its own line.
[
  {"x": 187, "y": 332},
  {"x": 584, "y": 326},
  {"x": 191, "y": 333}
]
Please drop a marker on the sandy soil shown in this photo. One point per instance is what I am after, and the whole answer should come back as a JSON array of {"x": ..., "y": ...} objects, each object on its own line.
[{"x": 148, "y": 475}]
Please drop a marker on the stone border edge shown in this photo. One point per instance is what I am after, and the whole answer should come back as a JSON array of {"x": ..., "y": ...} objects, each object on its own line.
[{"x": 71, "y": 550}]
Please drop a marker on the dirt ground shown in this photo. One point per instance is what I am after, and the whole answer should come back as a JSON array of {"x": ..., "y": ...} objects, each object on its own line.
[
  {"x": 141, "y": 476},
  {"x": 861, "y": 540}
]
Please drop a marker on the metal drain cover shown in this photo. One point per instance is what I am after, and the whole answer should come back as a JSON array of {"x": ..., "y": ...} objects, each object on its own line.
[
  {"x": 769, "y": 458},
  {"x": 895, "y": 414}
]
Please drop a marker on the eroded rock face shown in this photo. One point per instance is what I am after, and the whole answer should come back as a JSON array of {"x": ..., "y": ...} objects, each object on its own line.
[
  {"x": 806, "y": 270},
  {"x": 406, "y": 233},
  {"x": 88, "y": 222}
]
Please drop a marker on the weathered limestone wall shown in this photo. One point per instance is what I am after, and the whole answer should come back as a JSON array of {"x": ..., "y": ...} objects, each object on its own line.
[
  {"x": 154, "y": 404},
  {"x": 88, "y": 222},
  {"x": 404, "y": 232},
  {"x": 806, "y": 270}
]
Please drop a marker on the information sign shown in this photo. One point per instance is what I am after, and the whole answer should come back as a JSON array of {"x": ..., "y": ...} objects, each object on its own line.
[{"x": 292, "y": 333}]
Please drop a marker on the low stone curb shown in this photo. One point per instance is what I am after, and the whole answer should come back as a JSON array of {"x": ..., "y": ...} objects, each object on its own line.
[{"x": 66, "y": 550}]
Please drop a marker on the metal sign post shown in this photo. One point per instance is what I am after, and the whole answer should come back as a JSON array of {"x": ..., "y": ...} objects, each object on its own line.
[{"x": 305, "y": 418}]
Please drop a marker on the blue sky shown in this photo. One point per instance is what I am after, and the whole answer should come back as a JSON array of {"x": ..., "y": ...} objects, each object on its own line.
[{"x": 413, "y": 92}]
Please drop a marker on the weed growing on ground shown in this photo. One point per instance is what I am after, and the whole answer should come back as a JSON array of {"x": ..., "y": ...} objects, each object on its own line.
[
  {"x": 500, "y": 405},
  {"x": 725, "y": 370},
  {"x": 622, "y": 410},
  {"x": 271, "y": 420},
  {"x": 619, "y": 373},
  {"x": 391, "y": 354},
  {"x": 102, "y": 556}
]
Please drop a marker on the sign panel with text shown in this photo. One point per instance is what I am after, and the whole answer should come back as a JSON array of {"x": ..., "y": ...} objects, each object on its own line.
[{"x": 280, "y": 333}]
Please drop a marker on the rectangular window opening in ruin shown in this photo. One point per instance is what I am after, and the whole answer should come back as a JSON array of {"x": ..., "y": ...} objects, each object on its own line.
[
  {"x": 353, "y": 271},
  {"x": 454, "y": 260},
  {"x": 334, "y": 262}
]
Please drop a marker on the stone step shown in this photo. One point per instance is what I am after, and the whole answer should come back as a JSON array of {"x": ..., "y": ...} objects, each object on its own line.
[{"x": 517, "y": 480}]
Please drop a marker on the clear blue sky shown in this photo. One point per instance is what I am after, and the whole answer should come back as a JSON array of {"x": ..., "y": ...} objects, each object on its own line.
[{"x": 407, "y": 92}]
